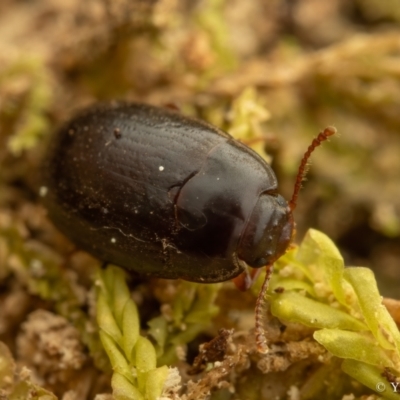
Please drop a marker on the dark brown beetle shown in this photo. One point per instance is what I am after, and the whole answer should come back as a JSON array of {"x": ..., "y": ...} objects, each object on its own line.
[{"x": 165, "y": 195}]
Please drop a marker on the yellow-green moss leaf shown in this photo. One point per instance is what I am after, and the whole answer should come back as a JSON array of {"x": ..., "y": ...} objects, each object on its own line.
[
  {"x": 145, "y": 360},
  {"x": 375, "y": 313},
  {"x": 105, "y": 318},
  {"x": 371, "y": 377},
  {"x": 292, "y": 284},
  {"x": 155, "y": 382},
  {"x": 319, "y": 253},
  {"x": 130, "y": 327},
  {"x": 294, "y": 307},
  {"x": 361, "y": 346},
  {"x": 123, "y": 389},
  {"x": 203, "y": 307},
  {"x": 117, "y": 359},
  {"x": 120, "y": 292}
]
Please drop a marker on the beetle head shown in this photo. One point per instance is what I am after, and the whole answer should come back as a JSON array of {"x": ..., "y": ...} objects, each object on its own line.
[
  {"x": 268, "y": 232},
  {"x": 278, "y": 214}
]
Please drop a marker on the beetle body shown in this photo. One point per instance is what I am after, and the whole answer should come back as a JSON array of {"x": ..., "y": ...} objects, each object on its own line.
[{"x": 164, "y": 195}]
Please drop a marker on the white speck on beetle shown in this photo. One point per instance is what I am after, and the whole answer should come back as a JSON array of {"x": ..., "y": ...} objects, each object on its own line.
[
  {"x": 43, "y": 191},
  {"x": 161, "y": 168},
  {"x": 113, "y": 240}
]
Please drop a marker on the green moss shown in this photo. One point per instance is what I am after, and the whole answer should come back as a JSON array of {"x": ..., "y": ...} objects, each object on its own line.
[
  {"x": 345, "y": 307},
  {"x": 191, "y": 312},
  {"x": 132, "y": 356},
  {"x": 39, "y": 269},
  {"x": 27, "y": 118},
  {"x": 210, "y": 20}
]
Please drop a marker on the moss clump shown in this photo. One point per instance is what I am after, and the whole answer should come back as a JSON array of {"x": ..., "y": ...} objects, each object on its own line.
[
  {"x": 345, "y": 308},
  {"x": 132, "y": 356}
]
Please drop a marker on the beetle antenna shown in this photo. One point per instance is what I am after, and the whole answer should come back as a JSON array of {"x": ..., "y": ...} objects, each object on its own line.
[
  {"x": 261, "y": 340},
  {"x": 302, "y": 172}
]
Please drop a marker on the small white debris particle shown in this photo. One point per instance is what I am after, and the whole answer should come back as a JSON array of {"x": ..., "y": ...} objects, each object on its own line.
[
  {"x": 43, "y": 191},
  {"x": 180, "y": 351},
  {"x": 37, "y": 268},
  {"x": 113, "y": 240},
  {"x": 293, "y": 393}
]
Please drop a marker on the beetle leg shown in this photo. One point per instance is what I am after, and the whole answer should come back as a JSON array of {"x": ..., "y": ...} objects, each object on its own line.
[{"x": 245, "y": 280}]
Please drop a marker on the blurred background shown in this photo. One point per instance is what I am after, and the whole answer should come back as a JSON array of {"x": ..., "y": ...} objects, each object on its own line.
[{"x": 271, "y": 69}]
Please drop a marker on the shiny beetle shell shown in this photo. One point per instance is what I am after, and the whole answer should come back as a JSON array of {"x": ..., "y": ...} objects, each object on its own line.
[{"x": 164, "y": 195}]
